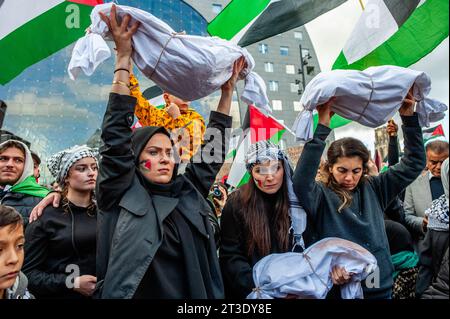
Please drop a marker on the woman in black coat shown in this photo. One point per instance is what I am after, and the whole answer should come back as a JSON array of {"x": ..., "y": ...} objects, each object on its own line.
[
  {"x": 349, "y": 205},
  {"x": 154, "y": 235}
]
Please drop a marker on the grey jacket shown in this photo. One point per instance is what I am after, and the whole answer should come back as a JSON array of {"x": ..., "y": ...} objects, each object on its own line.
[
  {"x": 130, "y": 219},
  {"x": 417, "y": 200},
  {"x": 19, "y": 289}
]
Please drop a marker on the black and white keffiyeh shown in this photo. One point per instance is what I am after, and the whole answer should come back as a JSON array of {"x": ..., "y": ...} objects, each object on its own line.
[
  {"x": 60, "y": 163},
  {"x": 264, "y": 151}
]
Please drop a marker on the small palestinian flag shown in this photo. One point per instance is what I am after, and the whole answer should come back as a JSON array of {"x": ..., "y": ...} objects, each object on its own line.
[
  {"x": 257, "y": 127},
  {"x": 433, "y": 133}
]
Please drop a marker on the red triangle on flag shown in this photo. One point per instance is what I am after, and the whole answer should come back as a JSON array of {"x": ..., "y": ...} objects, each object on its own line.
[
  {"x": 263, "y": 127},
  {"x": 438, "y": 131}
]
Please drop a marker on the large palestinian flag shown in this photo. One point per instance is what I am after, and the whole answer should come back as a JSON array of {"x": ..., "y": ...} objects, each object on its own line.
[
  {"x": 395, "y": 32},
  {"x": 257, "y": 127},
  {"x": 248, "y": 21},
  {"x": 31, "y": 30}
]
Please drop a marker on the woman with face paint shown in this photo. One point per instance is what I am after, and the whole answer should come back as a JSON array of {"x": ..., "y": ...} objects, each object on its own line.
[
  {"x": 349, "y": 204},
  {"x": 260, "y": 218},
  {"x": 60, "y": 247},
  {"x": 154, "y": 235}
]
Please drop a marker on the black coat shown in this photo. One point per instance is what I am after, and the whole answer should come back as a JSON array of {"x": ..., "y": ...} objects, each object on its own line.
[
  {"x": 54, "y": 245},
  {"x": 130, "y": 223},
  {"x": 431, "y": 252},
  {"x": 23, "y": 203},
  {"x": 363, "y": 225},
  {"x": 439, "y": 287},
  {"x": 236, "y": 265}
]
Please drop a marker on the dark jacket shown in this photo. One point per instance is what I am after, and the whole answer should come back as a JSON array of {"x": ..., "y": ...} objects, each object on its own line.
[
  {"x": 439, "y": 287},
  {"x": 236, "y": 265},
  {"x": 130, "y": 223},
  {"x": 431, "y": 252},
  {"x": 363, "y": 225},
  {"x": 57, "y": 246},
  {"x": 23, "y": 203}
]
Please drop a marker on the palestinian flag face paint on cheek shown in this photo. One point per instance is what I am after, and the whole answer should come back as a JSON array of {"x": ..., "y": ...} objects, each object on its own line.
[{"x": 146, "y": 165}]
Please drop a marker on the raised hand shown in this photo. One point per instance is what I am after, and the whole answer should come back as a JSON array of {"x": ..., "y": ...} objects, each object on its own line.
[
  {"x": 407, "y": 108},
  {"x": 238, "y": 66},
  {"x": 121, "y": 32},
  {"x": 325, "y": 112}
]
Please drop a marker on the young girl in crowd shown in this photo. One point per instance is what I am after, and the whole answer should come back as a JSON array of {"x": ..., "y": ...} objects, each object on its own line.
[
  {"x": 60, "y": 246},
  {"x": 256, "y": 218},
  {"x": 349, "y": 204}
]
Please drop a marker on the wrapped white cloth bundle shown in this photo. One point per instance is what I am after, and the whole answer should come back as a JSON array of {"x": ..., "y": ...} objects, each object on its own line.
[
  {"x": 189, "y": 67},
  {"x": 370, "y": 97},
  {"x": 308, "y": 275}
]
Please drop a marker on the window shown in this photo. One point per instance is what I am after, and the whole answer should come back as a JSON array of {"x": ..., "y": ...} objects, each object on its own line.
[
  {"x": 284, "y": 51},
  {"x": 298, "y": 35},
  {"x": 298, "y": 106},
  {"x": 273, "y": 86},
  {"x": 294, "y": 88},
  {"x": 305, "y": 53},
  {"x": 277, "y": 105},
  {"x": 263, "y": 48},
  {"x": 268, "y": 67},
  {"x": 290, "y": 69},
  {"x": 216, "y": 8}
]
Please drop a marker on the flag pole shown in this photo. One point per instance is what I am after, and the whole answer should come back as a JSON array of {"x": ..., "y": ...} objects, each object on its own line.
[{"x": 362, "y": 4}]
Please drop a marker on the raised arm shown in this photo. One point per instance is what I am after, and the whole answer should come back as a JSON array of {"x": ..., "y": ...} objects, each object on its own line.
[
  {"x": 399, "y": 176},
  {"x": 393, "y": 152},
  {"x": 304, "y": 179},
  {"x": 117, "y": 167},
  {"x": 205, "y": 164}
]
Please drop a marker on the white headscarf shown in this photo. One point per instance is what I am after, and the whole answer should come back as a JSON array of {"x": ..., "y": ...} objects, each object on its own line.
[{"x": 28, "y": 165}]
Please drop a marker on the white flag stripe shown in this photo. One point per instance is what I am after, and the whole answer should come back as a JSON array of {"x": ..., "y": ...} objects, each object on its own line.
[
  {"x": 15, "y": 13},
  {"x": 238, "y": 169},
  {"x": 375, "y": 26}
]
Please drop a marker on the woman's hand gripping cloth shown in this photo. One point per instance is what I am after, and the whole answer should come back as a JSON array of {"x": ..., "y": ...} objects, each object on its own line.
[
  {"x": 370, "y": 97},
  {"x": 307, "y": 275},
  {"x": 189, "y": 67}
]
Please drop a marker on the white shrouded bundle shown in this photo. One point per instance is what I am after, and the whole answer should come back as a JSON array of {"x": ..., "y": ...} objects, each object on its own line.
[
  {"x": 370, "y": 97},
  {"x": 307, "y": 275},
  {"x": 189, "y": 67}
]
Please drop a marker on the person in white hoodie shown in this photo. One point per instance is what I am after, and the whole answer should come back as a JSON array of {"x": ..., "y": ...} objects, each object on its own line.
[{"x": 18, "y": 186}]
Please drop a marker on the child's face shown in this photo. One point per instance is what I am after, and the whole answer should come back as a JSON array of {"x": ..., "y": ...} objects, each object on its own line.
[{"x": 11, "y": 254}]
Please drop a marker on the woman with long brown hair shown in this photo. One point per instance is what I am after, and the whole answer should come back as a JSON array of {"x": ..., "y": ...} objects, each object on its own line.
[
  {"x": 260, "y": 218},
  {"x": 349, "y": 204}
]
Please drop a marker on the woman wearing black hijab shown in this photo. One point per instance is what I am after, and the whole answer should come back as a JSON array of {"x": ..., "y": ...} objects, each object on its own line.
[{"x": 154, "y": 237}]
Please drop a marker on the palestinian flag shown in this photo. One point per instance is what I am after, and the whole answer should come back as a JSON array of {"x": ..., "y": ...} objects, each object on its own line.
[
  {"x": 433, "y": 133},
  {"x": 395, "y": 32},
  {"x": 155, "y": 97},
  {"x": 257, "y": 127},
  {"x": 248, "y": 21},
  {"x": 32, "y": 30}
]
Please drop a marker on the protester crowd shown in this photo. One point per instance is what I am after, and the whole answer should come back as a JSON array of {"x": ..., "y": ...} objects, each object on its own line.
[{"x": 143, "y": 218}]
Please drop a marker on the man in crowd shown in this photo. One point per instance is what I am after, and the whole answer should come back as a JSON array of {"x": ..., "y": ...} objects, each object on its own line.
[
  {"x": 18, "y": 187},
  {"x": 425, "y": 188}
]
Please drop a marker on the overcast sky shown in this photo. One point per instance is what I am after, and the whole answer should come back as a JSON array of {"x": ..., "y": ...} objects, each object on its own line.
[{"x": 329, "y": 34}]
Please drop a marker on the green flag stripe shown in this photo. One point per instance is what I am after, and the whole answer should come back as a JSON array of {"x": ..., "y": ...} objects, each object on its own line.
[
  {"x": 39, "y": 38},
  {"x": 235, "y": 16},
  {"x": 425, "y": 29},
  {"x": 336, "y": 121}
]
